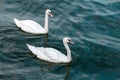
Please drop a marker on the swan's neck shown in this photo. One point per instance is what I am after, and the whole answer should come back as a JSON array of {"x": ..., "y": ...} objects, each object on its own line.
[
  {"x": 68, "y": 51},
  {"x": 46, "y": 23}
]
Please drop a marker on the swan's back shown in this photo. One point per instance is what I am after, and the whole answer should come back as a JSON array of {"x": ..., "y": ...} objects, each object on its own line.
[
  {"x": 48, "y": 54},
  {"x": 55, "y": 55},
  {"x": 38, "y": 51},
  {"x": 29, "y": 26}
]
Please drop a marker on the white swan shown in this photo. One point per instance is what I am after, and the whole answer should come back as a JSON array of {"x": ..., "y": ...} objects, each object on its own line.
[
  {"x": 51, "y": 54},
  {"x": 33, "y": 27}
]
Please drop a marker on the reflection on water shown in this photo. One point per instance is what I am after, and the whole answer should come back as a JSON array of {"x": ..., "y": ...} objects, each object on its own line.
[
  {"x": 51, "y": 67},
  {"x": 46, "y": 40},
  {"x": 67, "y": 71}
]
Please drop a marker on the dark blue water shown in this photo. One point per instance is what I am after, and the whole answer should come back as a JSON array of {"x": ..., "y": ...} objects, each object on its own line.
[{"x": 93, "y": 25}]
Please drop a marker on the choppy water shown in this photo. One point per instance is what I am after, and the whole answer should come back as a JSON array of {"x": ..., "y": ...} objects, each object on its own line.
[{"x": 93, "y": 25}]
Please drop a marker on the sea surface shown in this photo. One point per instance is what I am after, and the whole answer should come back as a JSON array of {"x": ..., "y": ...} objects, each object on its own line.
[{"x": 93, "y": 25}]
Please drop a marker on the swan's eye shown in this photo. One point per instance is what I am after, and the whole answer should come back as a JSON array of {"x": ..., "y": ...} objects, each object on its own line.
[{"x": 69, "y": 40}]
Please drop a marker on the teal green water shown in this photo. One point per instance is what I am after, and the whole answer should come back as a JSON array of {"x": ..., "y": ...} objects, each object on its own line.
[{"x": 93, "y": 25}]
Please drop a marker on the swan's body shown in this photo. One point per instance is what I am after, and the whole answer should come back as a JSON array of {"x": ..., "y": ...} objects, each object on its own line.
[
  {"x": 51, "y": 54},
  {"x": 33, "y": 27}
]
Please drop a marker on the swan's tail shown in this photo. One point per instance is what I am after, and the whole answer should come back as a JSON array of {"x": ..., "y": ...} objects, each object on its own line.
[
  {"x": 17, "y": 22},
  {"x": 32, "y": 49}
]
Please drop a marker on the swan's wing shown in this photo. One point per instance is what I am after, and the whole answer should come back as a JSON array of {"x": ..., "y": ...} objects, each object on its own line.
[
  {"x": 29, "y": 26},
  {"x": 32, "y": 25},
  {"x": 54, "y": 54},
  {"x": 38, "y": 51}
]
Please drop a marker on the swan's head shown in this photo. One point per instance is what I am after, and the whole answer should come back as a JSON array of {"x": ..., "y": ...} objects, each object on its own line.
[
  {"x": 48, "y": 11},
  {"x": 68, "y": 40}
]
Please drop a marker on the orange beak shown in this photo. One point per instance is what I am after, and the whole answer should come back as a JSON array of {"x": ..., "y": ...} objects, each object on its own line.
[{"x": 51, "y": 14}]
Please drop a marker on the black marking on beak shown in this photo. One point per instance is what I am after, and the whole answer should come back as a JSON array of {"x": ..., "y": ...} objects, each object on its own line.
[{"x": 71, "y": 42}]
